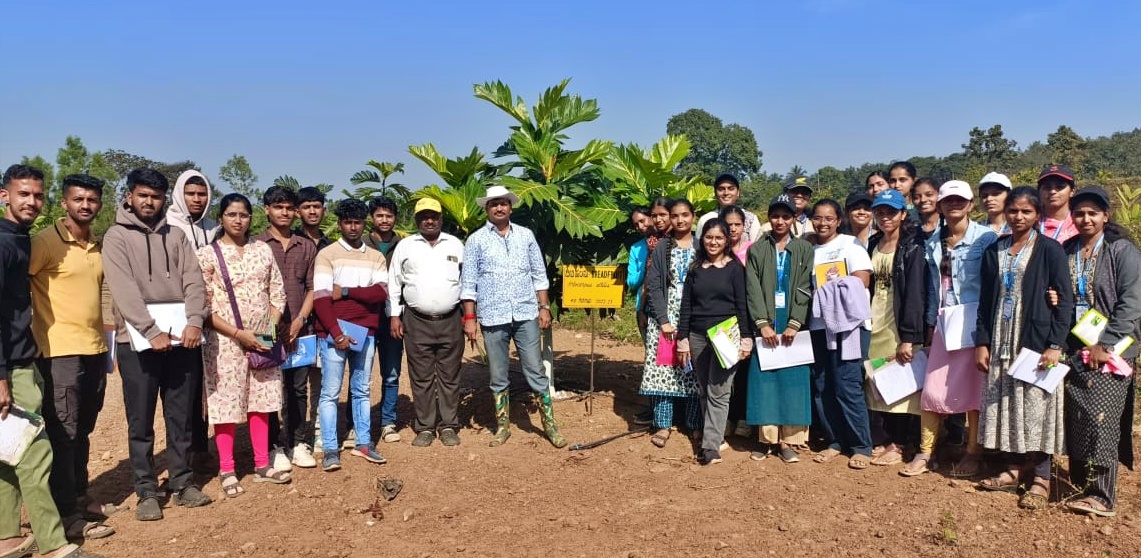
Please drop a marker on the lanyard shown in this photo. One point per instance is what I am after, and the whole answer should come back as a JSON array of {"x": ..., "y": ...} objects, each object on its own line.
[
  {"x": 1083, "y": 270},
  {"x": 782, "y": 265},
  {"x": 1012, "y": 267},
  {"x": 1057, "y": 231}
]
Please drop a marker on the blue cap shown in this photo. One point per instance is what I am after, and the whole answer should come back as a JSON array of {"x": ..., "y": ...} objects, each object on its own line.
[{"x": 891, "y": 198}]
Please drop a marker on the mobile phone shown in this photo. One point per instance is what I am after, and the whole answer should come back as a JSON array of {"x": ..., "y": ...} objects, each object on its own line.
[{"x": 265, "y": 339}]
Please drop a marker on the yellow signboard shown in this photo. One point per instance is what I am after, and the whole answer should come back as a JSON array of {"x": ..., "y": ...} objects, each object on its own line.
[{"x": 593, "y": 286}]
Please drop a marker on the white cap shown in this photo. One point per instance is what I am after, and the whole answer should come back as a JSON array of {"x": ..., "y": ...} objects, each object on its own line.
[
  {"x": 956, "y": 188},
  {"x": 995, "y": 178}
]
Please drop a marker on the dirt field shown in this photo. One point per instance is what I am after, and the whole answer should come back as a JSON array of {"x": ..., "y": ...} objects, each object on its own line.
[{"x": 626, "y": 498}]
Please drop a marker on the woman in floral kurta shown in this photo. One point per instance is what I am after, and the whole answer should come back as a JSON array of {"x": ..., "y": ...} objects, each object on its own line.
[{"x": 235, "y": 392}]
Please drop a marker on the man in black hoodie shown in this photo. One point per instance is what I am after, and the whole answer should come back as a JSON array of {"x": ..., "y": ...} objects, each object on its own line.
[
  {"x": 22, "y": 193},
  {"x": 147, "y": 263}
]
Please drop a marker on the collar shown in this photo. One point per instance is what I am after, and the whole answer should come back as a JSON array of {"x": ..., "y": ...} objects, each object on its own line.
[
  {"x": 494, "y": 230},
  {"x": 443, "y": 236},
  {"x": 294, "y": 238},
  {"x": 301, "y": 232},
  {"x": 345, "y": 245},
  {"x": 13, "y": 227},
  {"x": 65, "y": 234}
]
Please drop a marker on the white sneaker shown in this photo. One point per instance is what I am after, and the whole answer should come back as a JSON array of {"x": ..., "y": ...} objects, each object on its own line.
[
  {"x": 389, "y": 434},
  {"x": 279, "y": 460},
  {"x": 303, "y": 457},
  {"x": 350, "y": 440}
]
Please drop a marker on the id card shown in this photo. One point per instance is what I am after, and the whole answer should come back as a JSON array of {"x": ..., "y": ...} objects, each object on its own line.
[
  {"x": 779, "y": 299},
  {"x": 1007, "y": 307},
  {"x": 1080, "y": 311}
]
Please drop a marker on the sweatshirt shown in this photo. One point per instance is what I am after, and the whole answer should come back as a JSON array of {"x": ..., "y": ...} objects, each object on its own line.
[
  {"x": 144, "y": 265},
  {"x": 200, "y": 231},
  {"x": 17, "y": 346}
]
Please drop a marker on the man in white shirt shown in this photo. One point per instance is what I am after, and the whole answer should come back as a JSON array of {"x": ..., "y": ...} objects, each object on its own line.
[{"x": 424, "y": 305}]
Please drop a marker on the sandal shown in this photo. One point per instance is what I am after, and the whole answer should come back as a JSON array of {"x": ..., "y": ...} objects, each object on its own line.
[
  {"x": 271, "y": 475},
  {"x": 23, "y": 549},
  {"x": 859, "y": 461},
  {"x": 1031, "y": 500},
  {"x": 660, "y": 437},
  {"x": 967, "y": 467},
  {"x": 1090, "y": 506},
  {"x": 891, "y": 456},
  {"x": 999, "y": 483},
  {"x": 917, "y": 467},
  {"x": 79, "y": 529},
  {"x": 230, "y": 486},
  {"x": 826, "y": 455}
]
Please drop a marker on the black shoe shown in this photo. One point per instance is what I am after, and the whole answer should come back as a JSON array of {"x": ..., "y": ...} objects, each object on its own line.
[
  {"x": 423, "y": 439},
  {"x": 644, "y": 417},
  {"x": 149, "y": 509},
  {"x": 449, "y": 437},
  {"x": 191, "y": 497},
  {"x": 710, "y": 457}
]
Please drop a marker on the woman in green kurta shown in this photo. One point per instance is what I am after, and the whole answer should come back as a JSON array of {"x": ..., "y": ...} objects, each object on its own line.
[{"x": 778, "y": 282}]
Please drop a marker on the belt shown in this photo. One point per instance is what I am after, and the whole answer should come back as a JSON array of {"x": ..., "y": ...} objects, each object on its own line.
[{"x": 433, "y": 318}]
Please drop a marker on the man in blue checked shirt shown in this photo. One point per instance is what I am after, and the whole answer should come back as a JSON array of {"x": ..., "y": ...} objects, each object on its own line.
[{"x": 504, "y": 287}]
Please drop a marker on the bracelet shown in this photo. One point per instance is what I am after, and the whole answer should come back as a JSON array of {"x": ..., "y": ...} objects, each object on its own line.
[{"x": 469, "y": 317}]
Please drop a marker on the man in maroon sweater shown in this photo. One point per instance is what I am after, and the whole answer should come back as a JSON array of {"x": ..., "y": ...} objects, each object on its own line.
[{"x": 350, "y": 285}]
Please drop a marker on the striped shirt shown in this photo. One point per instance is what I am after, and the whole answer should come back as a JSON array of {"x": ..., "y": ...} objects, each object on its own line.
[{"x": 364, "y": 272}]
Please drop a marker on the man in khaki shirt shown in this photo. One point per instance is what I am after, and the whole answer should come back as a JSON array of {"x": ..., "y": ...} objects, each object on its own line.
[{"x": 66, "y": 272}]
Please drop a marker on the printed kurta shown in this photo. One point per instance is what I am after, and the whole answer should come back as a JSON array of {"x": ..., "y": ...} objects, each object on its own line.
[
  {"x": 231, "y": 388},
  {"x": 669, "y": 380}
]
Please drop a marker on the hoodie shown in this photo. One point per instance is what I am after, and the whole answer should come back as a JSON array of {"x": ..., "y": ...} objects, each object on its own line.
[
  {"x": 144, "y": 265},
  {"x": 17, "y": 346},
  {"x": 200, "y": 231}
]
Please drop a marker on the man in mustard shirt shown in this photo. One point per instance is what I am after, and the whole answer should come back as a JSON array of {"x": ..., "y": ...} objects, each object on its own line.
[{"x": 66, "y": 272}]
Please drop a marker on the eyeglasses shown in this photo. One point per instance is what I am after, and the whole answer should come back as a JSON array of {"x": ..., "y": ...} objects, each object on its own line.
[
  {"x": 236, "y": 215},
  {"x": 818, "y": 219}
]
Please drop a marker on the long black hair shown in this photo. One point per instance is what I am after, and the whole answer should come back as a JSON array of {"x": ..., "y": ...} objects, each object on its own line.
[{"x": 700, "y": 255}]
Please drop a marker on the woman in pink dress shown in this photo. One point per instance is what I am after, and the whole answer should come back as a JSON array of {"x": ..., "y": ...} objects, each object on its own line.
[{"x": 234, "y": 391}]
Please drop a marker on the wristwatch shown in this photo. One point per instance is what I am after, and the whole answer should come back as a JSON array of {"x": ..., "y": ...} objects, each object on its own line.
[
  {"x": 544, "y": 306},
  {"x": 344, "y": 292}
]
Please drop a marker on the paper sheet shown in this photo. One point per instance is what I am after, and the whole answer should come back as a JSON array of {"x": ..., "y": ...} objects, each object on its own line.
[
  {"x": 169, "y": 317},
  {"x": 895, "y": 381},
  {"x": 726, "y": 340},
  {"x": 16, "y": 433},
  {"x": 1025, "y": 368},
  {"x": 799, "y": 352},
  {"x": 958, "y": 325}
]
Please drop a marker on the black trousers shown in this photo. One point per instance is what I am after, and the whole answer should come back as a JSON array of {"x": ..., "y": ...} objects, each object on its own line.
[
  {"x": 295, "y": 427},
  {"x": 434, "y": 349},
  {"x": 74, "y": 387},
  {"x": 173, "y": 377}
]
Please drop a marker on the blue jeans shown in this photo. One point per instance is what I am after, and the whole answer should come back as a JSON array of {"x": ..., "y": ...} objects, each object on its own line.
[
  {"x": 391, "y": 351},
  {"x": 497, "y": 339},
  {"x": 838, "y": 397},
  {"x": 333, "y": 373}
]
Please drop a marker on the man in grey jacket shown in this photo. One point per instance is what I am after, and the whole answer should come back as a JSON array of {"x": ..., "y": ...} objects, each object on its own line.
[{"x": 146, "y": 263}]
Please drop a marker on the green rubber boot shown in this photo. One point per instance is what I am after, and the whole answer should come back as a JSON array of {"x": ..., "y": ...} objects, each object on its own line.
[
  {"x": 502, "y": 418},
  {"x": 547, "y": 410}
]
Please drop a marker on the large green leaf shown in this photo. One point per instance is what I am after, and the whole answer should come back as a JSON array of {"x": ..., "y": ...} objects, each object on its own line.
[
  {"x": 669, "y": 151},
  {"x": 571, "y": 163},
  {"x": 499, "y": 94}
]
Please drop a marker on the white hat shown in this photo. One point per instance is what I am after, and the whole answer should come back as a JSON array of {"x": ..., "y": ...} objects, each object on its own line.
[
  {"x": 995, "y": 178},
  {"x": 496, "y": 192},
  {"x": 956, "y": 188}
]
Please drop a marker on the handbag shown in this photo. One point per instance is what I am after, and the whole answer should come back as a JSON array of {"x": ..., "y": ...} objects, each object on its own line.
[
  {"x": 667, "y": 350},
  {"x": 272, "y": 358}
]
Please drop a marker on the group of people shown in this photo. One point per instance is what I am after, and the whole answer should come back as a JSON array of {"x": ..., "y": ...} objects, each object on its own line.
[
  {"x": 221, "y": 326},
  {"x": 899, "y": 278}
]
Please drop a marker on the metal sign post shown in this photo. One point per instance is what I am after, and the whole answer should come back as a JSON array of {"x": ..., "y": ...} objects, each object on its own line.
[{"x": 592, "y": 287}]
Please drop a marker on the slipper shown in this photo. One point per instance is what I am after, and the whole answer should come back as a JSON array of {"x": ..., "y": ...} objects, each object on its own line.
[
  {"x": 1034, "y": 501},
  {"x": 998, "y": 484},
  {"x": 859, "y": 461},
  {"x": 914, "y": 470},
  {"x": 826, "y": 455},
  {"x": 230, "y": 486},
  {"x": 79, "y": 529},
  {"x": 23, "y": 550},
  {"x": 1090, "y": 506},
  {"x": 889, "y": 457},
  {"x": 271, "y": 475},
  {"x": 660, "y": 437}
]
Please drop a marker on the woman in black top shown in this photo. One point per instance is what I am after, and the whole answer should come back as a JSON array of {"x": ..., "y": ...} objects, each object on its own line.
[{"x": 714, "y": 291}]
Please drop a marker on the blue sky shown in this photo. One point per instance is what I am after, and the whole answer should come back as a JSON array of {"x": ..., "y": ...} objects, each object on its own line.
[{"x": 317, "y": 89}]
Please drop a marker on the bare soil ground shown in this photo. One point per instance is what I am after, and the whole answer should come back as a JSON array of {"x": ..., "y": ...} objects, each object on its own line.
[{"x": 626, "y": 498}]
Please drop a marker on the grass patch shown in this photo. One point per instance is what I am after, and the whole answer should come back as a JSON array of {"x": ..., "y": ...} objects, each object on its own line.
[{"x": 620, "y": 324}]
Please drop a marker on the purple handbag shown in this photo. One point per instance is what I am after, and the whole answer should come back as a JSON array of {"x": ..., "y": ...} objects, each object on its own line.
[{"x": 276, "y": 355}]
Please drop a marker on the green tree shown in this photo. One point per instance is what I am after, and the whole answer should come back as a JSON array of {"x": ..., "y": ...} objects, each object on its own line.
[
  {"x": 237, "y": 173},
  {"x": 123, "y": 163},
  {"x": 379, "y": 174},
  {"x": 1066, "y": 147},
  {"x": 990, "y": 149},
  {"x": 467, "y": 178},
  {"x": 639, "y": 176},
  {"x": 716, "y": 147}
]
